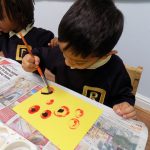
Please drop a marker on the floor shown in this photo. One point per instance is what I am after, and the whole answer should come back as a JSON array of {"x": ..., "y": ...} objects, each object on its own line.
[{"x": 144, "y": 116}]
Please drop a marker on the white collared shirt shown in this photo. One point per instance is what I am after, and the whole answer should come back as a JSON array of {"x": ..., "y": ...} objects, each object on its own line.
[
  {"x": 100, "y": 63},
  {"x": 23, "y": 31}
]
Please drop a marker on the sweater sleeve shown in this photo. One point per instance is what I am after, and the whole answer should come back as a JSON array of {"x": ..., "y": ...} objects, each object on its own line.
[
  {"x": 49, "y": 57},
  {"x": 122, "y": 88},
  {"x": 44, "y": 37},
  {"x": 2, "y": 36}
]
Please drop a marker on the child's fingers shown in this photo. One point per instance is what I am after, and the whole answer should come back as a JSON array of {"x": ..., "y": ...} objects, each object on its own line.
[
  {"x": 28, "y": 58},
  {"x": 131, "y": 115},
  {"x": 29, "y": 67},
  {"x": 127, "y": 109},
  {"x": 129, "y": 112},
  {"x": 53, "y": 42},
  {"x": 117, "y": 110},
  {"x": 28, "y": 63},
  {"x": 37, "y": 60},
  {"x": 115, "y": 107}
]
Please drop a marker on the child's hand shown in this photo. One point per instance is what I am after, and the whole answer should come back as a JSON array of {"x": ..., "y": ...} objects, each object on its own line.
[
  {"x": 1, "y": 54},
  {"x": 30, "y": 62},
  {"x": 53, "y": 42},
  {"x": 125, "y": 110}
]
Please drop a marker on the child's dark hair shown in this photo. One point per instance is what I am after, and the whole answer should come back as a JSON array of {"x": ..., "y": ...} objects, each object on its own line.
[
  {"x": 20, "y": 11},
  {"x": 91, "y": 27}
]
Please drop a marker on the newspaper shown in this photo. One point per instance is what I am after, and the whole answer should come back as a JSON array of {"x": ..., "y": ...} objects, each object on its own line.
[
  {"x": 10, "y": 70},
  {"x": 110, "y": 131},
  {"x": 7, "y": 70}
]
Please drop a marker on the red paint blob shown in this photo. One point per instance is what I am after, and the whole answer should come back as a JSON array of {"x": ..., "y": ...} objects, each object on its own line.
[
  {"x": 74, "y": 123},
  {"x": 33, "y": 109},
  {"x": 79, "y": 113},
  {"x": 50, "y": 102},
  {"x": 46, "y": 114},
  {"x": 63, "y": 111}
]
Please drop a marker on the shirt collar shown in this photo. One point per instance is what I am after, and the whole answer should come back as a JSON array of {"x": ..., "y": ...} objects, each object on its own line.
[
  {"x": 100, "y": 63},
  {"x": 23, "y": 31}
]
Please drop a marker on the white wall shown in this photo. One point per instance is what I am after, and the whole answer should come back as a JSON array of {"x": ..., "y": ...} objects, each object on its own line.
[
  {"x": 49, "y": 13},
  {"x": 134, "y": 45}
]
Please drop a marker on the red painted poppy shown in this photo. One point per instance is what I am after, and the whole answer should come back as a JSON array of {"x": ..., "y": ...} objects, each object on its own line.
[
  {"x": 50, "y": 102},
  {"x": 46, "y": 114},
  {"x": 63, "y": 111},
  {"x": 74, "y": 123},
  {"x": 79, "y": 113},
  {"x": 33, "y": 109}
]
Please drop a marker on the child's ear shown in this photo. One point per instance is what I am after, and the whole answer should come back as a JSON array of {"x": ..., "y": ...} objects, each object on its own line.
[{"x": 112, "y": 52}]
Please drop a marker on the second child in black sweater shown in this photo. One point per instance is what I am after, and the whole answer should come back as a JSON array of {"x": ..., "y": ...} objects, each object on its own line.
[{"x": 18, "y": 16}]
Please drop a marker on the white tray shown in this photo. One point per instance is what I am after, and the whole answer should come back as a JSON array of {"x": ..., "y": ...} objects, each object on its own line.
[{"x": 10, "y": 140}]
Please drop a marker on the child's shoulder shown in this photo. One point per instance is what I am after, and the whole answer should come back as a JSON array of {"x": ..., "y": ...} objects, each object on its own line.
[
  {"x": 2, "y": 35},
  {"x": 41, "y": 32},
  {"x": 116, "y": 63},
  {"x": 115, "y": 59},
  {"x": 40, "y": 35},
  {"x": 39, "y": 29}
]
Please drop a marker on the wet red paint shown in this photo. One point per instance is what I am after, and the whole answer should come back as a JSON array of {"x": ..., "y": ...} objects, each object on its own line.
[
  {"x": 79, "y": 113},
  {"x": 50, "y": 102},
  {"x": 46, "y": 114},
  {"x": 74, "y": 123},
  {"x": 63, "y": 111},
  {"x": 33, "y": 109}
]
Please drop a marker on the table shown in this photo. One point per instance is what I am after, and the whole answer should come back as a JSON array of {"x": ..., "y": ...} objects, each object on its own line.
[{"x": 109, "y": 131}]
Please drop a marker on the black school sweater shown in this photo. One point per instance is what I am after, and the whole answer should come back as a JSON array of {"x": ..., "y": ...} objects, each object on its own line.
[
  {"x": 14, "y": 47},
  {"x": 109, "y": 84}
]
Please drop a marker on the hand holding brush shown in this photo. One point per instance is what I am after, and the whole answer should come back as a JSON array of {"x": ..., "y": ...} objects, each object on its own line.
[{"x": 38, "y": 68}]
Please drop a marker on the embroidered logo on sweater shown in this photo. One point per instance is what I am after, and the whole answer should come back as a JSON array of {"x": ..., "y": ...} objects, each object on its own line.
[
  {"x": 19, "y": 52},
  {"x": 94, "y": 93}
]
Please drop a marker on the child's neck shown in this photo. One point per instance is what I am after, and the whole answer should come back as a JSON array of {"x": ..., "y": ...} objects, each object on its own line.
[{"x": 18, "y": 29}]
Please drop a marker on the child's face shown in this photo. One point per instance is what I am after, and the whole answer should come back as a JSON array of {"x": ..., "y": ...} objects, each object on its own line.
[
  {"x": 7, "y": 25},
  {"x": 76, "y": 62}
]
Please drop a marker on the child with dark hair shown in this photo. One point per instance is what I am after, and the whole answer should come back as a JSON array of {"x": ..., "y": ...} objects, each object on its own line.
[
  {"x": 84, "y": 60},
  {"x": 18, "y": 16}
]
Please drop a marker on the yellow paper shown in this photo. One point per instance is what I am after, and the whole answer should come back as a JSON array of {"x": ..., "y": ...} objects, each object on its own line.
[{"x": 70, "y": 119}]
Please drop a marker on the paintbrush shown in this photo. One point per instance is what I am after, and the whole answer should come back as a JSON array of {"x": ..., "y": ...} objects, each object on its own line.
[{"x": 38, "y": 68}]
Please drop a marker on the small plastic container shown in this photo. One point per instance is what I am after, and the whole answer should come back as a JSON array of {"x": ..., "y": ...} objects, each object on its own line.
[{"x": 10, "y": 140}]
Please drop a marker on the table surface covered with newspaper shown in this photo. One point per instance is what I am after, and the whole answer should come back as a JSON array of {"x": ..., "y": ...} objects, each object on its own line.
[{"x": 110, "y": 132}]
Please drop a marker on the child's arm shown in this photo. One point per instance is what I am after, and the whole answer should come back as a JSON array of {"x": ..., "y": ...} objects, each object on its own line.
[
  {"x": 125, "y": 110},
  {"x": 30, "y": 62},
  {"x": 43, "y": 57}
]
